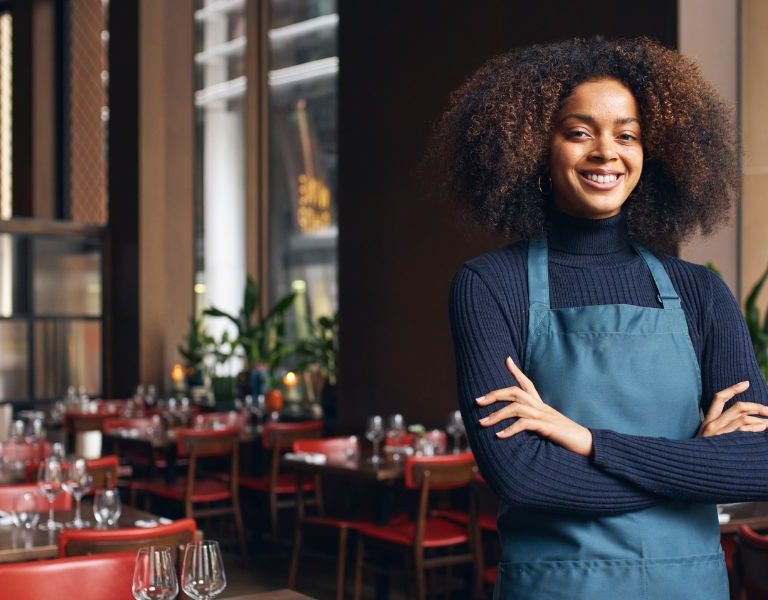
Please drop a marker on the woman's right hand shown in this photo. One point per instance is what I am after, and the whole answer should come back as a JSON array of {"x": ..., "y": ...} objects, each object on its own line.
[{"x": 742, "y": 416}]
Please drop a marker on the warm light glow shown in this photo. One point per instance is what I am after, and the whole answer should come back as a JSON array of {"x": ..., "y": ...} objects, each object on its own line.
[
  {"x": 314, "y": 211},
  {"x": 177, "y": 373},
  {"x": 199, "y": 288},
  {"x": 290, "y": 379}
]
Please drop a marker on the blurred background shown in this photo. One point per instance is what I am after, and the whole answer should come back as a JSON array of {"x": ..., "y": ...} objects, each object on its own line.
[{"x": 154, "y": 154}]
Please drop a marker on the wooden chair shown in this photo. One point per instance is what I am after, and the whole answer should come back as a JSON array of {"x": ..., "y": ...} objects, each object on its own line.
[
  {"x": 9, "y": 493},
  {"x": 340, "y": 446},
  {"x": 751, "y": 563},
  {"x": 82, "y": 542},
  {"x": 210, "y": 495},
  {"x": 279, "y": 486},
  {"x": 424, "y": 534},
  {"x": 81, "y": 578}
]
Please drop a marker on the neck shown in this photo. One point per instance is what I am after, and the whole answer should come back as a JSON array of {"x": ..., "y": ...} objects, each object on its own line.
[{"x": 574, "y": 235}]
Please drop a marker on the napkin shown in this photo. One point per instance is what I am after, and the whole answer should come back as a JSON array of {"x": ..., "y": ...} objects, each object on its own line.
[
  {"x": 147, "y": 523},
  {"x": 310, "y": 457},
  {"x": 6, "y": 519}
]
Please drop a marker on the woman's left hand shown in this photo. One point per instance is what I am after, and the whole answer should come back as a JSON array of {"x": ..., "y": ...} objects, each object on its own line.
[{"x": 532, "y": 414}]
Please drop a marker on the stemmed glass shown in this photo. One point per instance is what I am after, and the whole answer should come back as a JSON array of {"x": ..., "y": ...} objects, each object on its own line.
[
  {"x": 49, "y": 478},
  {"x": 154, "y": 576},
  {"x": 78, "y": 483},
  {"x": 202, "y": 574},
  {"x": 374, "y": 433},
  {"x": 455, "y": 427},
  {"x": 25, "y": 515},
  {"x": 106, "y": 507}
]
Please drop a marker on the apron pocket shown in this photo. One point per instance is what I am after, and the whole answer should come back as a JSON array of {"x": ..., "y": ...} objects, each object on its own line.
[{"x": 697, "y": 578}]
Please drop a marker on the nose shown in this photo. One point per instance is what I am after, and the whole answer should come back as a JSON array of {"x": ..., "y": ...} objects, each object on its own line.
[{"x": 604, "y": 149}]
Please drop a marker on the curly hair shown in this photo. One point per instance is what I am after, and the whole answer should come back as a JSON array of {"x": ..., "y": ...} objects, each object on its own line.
[{"x": 493, "y": 141}]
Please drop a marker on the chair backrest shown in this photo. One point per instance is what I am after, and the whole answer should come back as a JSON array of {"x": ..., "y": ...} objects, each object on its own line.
[
  {"x": 103, "y": 472},
  {"x": 209, "y": 443},
  {"x": 752, "y": 562},
  {"x": 282, "y": 435},
  {"x": 9, "y": 493},
  {"x": 24, "y": 451},
  {"x": 445, "y": 472},
  {"x": 335, "y": 447},
  {"x": 81, "y": 578},
  {"x": 80, "y": 542}
]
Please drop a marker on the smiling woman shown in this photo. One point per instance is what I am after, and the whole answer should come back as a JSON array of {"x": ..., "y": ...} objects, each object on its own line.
[{"x": 584, "y": 358}]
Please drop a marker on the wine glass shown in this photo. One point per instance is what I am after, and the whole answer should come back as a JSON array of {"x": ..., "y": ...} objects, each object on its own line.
[
  {"x": 78, "y": 483},
  {"x": 106, "y": 507},
  {"x": 25, "y": 515},
  {"x": 49, "y": 479},
  {"x": 202, "y": 574},
  {"x": 374, "y": 433},
  {"x": 455, "y": 427},
  {"x": 154, "y": 576}
]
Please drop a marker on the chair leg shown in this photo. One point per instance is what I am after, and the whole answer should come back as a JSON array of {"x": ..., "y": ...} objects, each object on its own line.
[
  {"x": 343, "y": 533},
  {"x": 273, "y": 513},
  {"x": 359, "y": 567},
  {"x": 295, "y": 558},
  {"x": 240, "y": 529},
  {"x": 419, "y": 567}
]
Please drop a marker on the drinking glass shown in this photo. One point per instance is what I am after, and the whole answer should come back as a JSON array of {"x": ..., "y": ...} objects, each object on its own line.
[
  {"x": 25, "y": 515},
  {"x": 78, "y": 483},
  {"x": 49, "y": 478},
  {"x": 106, "y": 507},
  {"x": 202, "y": 574},
  {"x": 154, "y": 577},
  {"x": 455, "y": 428},
  {"x": 374, "y": 433}
]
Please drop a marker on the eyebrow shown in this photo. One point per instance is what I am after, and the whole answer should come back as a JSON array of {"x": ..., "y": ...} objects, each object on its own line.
[{"x": 591, "y": 119}]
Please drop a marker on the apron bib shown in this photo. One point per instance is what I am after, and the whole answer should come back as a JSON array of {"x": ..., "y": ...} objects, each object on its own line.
[{"x": 631, "y": 369}]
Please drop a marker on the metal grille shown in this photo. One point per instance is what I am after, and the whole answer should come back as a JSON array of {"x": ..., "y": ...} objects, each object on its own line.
[{"x": 88, "y": 112}]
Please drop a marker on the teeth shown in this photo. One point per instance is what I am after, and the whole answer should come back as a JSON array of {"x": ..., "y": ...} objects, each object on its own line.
[{"x": 601, "y": 178}]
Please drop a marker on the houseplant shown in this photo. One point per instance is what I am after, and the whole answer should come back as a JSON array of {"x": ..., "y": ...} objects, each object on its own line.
[
  {"x": 260, "y": 338},
  {"x": 758, "y": 331},
  {"x": 193, "y": 350},
  {"x": 319, "y": 353}
]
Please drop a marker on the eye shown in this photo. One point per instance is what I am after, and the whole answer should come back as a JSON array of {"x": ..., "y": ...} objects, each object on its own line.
[
  {"x": 577, "y": 134},
  {"x": 628, "y": 137}
]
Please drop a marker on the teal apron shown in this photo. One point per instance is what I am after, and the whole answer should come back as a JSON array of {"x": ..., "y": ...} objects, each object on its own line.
[{"x": 631, "y": 369}]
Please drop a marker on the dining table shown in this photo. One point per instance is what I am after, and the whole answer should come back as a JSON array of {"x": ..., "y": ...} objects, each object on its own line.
[
  {"x": 18, "y": 545},
  {"x": 158, "y": 450}
]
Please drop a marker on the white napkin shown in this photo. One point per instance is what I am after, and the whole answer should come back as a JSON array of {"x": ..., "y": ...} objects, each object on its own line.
[
  {"x": 6, "y": 519},
  {"x": 147, "y": 523},
  {"x": 310, "y": 457}
]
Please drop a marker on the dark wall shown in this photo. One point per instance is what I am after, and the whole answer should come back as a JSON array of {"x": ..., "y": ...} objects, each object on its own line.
[{"x": 399, "y": 246}]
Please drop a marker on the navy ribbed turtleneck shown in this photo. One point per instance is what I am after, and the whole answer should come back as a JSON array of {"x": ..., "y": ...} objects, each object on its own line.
[{"x": 593, "y": 262}]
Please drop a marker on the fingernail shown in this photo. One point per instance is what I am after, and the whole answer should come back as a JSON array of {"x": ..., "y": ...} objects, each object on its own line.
[
  {"x": 500, "y": 433},
  {"x": 484, "y": 420},
  {"x": 480, "y": 399},
  {"x": 744, "y": 384},
  {"x": 509, "y": 359}
]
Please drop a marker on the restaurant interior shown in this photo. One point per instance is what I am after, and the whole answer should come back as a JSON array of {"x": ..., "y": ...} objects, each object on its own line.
[{"x": 226, "y": 367}]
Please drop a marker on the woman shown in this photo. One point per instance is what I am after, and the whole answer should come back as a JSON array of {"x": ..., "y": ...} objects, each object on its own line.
[{"x": 585, "y": 360}]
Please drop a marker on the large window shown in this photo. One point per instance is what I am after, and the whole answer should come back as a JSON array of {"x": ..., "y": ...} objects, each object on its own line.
[{"x": 302, "y": 87}]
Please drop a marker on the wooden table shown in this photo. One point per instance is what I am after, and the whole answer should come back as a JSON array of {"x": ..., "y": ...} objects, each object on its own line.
[
  {"x": 384, "y": 474},
  {"x": 754, "y": 514},
  {"x": 17, "y": 545},
  {"x": 273, "y": 595},
  {"x": 161, "y": 446}
]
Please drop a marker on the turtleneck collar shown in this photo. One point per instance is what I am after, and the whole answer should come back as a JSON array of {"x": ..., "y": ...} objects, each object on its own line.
[{"x": 574, "y": 235}]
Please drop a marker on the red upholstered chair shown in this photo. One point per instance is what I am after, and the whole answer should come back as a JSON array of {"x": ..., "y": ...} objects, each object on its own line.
[
  {"x": 22, "y": 451},
  {"x": 81, "y": 578},
  {"x": 751, "y": 563},
  {"x": 80, "y": 542},
  {"x": 207, "y": 495},
  {"x": 423, "y": 536},
  {"x": 9, "y": 493},
  {"x": 331, "y": 447},
  {"x": 280, "y": 486}
]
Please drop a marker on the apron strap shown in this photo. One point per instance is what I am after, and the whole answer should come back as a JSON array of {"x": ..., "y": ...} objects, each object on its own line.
[
  {"x": 667, "y": 295},
  {"x": 538, "y": 271}
]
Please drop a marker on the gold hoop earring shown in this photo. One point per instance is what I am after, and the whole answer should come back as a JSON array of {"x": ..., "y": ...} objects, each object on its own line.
[{"x": 549, "y": 188}]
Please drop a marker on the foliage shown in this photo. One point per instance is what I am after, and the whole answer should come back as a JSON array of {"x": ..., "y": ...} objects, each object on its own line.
[
  {"x": 261, "y": 339},
  {"x": 195, "y": 345},
  {"x": 321, "y": 348}
]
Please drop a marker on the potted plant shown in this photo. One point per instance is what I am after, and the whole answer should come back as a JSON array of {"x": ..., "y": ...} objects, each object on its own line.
[
  {"x": 319, "y": 352},
  {"x": 261, "y": 339},
  {"x": 220, "y": 353},
  {"x": 193, "y": 350}
]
